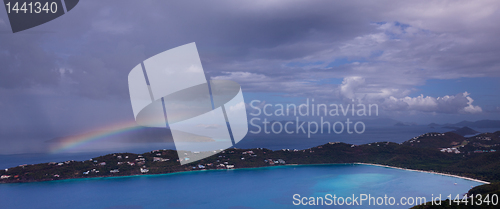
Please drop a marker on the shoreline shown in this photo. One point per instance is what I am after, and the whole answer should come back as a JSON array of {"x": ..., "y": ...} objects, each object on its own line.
[
  {"x": 174, "y": 173},
  {"x": 328, "y": 154},
  {"x": 263, "y": 167},
  {"x": 430, "y": 172}
]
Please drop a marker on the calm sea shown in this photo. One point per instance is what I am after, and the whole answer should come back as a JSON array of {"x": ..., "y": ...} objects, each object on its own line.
[{"x": 242, "y": 188}]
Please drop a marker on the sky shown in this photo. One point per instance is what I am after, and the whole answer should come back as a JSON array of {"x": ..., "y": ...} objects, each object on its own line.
[{"x": 420, "y": 61}]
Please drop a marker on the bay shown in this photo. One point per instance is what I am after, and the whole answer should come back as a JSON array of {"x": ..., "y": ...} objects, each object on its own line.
[{"x": 270, "y": 187}]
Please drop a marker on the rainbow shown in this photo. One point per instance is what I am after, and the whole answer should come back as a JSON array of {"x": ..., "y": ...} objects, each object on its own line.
[{"x": 75, "y": 141}]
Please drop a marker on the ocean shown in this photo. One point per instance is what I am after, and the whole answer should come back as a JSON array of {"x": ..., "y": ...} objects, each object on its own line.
[{"x": 270, "y": 187}]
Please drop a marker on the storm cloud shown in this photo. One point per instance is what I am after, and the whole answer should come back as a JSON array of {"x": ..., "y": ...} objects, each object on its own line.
[{"x": 379, "y": 52}]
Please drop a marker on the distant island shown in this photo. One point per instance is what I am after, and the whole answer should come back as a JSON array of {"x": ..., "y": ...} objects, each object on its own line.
[
  {"x": 464, "y": 131},
  {"x": 405, "y": 124},
  {"x": 475, "y": 124}
]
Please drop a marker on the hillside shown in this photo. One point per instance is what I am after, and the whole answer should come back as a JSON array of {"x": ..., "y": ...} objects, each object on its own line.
[
  {"x": 435, "y": 140},
  {"x": 479, "y": 191},
  {"x": 464, "y": 131},
  {"x": 424, "y": 152}
]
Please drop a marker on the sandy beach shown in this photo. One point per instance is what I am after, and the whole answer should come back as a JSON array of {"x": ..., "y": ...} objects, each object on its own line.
[{"x": 432, "y": 172}]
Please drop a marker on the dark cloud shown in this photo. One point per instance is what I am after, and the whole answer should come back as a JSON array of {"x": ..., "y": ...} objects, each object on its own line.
[
  {"x": 100, "y": 43},
  {"x": 380, "y": 50},
  {"x": 24, "y": 62}
]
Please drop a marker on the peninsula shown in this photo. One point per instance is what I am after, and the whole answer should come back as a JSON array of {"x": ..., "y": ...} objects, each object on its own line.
[{"x": 447, "y": 153}]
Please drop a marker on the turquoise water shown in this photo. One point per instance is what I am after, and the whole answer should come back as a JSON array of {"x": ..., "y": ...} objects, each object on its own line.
[{"x": 242, "y": 188}]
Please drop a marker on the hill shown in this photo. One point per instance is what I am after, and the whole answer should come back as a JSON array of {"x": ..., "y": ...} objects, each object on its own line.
[
  {"x": 464, "y": 131},
  {"x": 435, "y": 140},
  {"x": 481, "y": 124},
  {"x": 482, "y": 191},
  {"x": 424, "y": 152}
]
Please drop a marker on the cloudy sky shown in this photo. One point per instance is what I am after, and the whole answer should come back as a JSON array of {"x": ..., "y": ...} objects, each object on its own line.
[{"x": 421, "y": 61}]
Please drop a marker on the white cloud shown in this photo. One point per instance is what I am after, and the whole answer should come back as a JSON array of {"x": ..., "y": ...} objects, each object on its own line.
[
  {"x": 237, "y": 107},
  {"x": 471, "y": 108},
  {"x": 247, "y": 76},
  {"x": 356, "y": 89},
  {"x": 460, "y": 103},
  {"x": 350, "y": 85}
]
